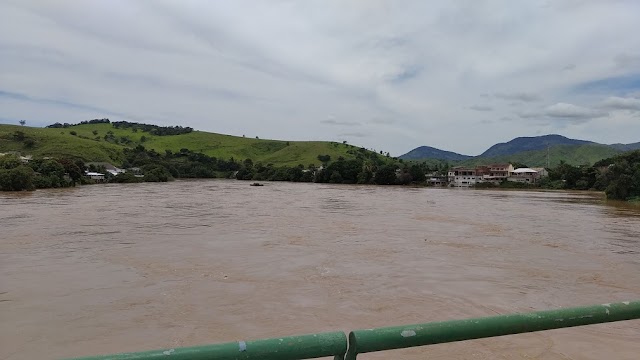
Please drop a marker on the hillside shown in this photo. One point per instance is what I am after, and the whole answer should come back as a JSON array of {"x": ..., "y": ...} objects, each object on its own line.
[
  {"x": 586, "y": 154},
  {"x": 90, "y": 146},
  {"x": 57, "y": 143},
  {"x": 531, "y": 151},
  {"x": 626, "y": 147},
  {"x": 428, "y": 152},
  {"x": 521, "y": 144}
]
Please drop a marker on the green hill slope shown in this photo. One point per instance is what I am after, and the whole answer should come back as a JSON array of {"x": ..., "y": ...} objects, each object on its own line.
[
  {"x": 58, "y": 143},
  {"x": 586, "y": 154},
  {"x": 89, "y": 144}
]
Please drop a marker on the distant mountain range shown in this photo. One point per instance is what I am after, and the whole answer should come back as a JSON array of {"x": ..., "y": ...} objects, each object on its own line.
[
  {"x": 521, "y": 144},
  {"x": 428, "y": 152},
  {"x": 533, "y": 151},
  {"x": 626, "y": 147}
]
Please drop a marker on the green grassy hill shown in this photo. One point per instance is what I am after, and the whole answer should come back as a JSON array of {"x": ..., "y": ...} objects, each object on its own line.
[
  {"x": 586, "y": 154},
  {"x": 57, "y": 143},
  {"x": 89, "y": 144}
]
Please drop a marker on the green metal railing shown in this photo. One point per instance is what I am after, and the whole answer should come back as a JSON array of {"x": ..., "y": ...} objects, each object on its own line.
[
  {"x": 285, "y": 348},
  {"x": 363, "y": 341}
]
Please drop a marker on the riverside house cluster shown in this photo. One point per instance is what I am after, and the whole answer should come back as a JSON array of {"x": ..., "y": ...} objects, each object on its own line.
[{"x": 495, "y": 174}]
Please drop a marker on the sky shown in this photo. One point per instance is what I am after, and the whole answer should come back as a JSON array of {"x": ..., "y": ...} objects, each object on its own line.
[{"x": 386, "y": 75}]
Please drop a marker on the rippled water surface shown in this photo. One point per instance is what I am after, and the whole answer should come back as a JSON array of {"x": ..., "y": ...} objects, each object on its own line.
[{"x": 113, "y": 268}]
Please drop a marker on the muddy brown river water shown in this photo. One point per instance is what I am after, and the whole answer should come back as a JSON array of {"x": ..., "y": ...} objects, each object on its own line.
[{"x": 114, "y": 268}]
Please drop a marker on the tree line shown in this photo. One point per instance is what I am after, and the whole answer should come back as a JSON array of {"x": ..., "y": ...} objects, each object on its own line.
[
  {"x": 151, "y": 129},
  {"x": 618, "y": 177},
  {"x": 58, "y": 125},
  {"x": 16, "y": 175}
]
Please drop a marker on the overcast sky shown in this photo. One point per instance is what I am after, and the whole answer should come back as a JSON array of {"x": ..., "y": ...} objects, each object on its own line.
[{"x": 388, "y": 75}]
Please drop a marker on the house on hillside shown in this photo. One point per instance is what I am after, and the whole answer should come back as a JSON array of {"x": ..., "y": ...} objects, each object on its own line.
[{"x": 525, "y": 175}]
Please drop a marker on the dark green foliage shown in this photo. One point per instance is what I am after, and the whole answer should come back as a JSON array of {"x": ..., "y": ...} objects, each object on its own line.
[
  {"x": 127, "y": 178},
  {"x": 59, "y": 126},
  {"x": 621, "y": 177},
  {"x": 184, "y": 164},
  {"x": 156, "y": 173},
  {"x": 9, "y": 162},
  {"x": 324, "y": 158},
  {"x": 417, "y": 173},
  {"x": 73, "y": 133},
  {"x": 38, "y": 173},
  {"x": 385, "y": 175},
  {"x": 17, "y": 179},
  {"x": 73, "y": 168},
  {"x": 152, "y": 129}
]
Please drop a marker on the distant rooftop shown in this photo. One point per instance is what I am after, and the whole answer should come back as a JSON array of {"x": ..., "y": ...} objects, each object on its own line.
[{"x": 524, "y": 170}]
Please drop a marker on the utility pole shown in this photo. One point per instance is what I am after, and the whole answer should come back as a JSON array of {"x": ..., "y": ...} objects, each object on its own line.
[{"x": 547, "y": 156}]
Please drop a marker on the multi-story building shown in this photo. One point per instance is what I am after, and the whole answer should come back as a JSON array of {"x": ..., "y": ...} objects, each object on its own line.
[
  {"x": 494, "y": 173},
  {"x": 462, "y": 177}
]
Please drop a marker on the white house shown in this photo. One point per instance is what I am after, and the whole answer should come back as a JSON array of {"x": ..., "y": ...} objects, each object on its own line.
[
  {"x": 96, "y": 176},
  {"x": 116, "y": 171},
  {"x": 462, "y": 177},
  {"x": 525, "y": 175}
]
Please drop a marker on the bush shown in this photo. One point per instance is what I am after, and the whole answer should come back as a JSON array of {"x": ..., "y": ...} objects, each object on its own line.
[
  {"x": 17, "y": 179},
  {"x": 156, "y": 173},
  {"x": 126, "y": 178}
]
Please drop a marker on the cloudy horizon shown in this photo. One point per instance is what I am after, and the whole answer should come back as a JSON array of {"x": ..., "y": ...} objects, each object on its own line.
[{"x": 392, "y": 76}]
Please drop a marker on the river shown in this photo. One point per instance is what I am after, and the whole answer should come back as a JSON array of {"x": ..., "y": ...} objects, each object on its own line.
[{"x": 114, "y": 268}]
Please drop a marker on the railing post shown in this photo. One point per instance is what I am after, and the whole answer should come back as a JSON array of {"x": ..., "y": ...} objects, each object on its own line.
[{"x": 352, "y": 349}]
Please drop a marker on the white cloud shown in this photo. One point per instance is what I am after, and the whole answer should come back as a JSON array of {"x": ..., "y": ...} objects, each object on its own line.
[
  {"x": 480, "y": 108},
  {"x": 403, "y": 69},
  {"x": 520, "y": 96},
  {"x": 572, "y": 112},
  {"x": 626, "y": 60},
  {"x": 333, "y": 121},
  {"x": 615, "y": 102}
]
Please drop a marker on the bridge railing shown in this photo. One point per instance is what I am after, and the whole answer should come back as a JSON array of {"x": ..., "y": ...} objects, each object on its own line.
[{"x": 337, "y": 345}]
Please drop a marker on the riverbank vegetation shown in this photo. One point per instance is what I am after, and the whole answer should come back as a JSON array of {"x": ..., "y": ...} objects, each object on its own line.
[
  {"x": 17, "y": 174},
  {"x": 163, "y": 153}
]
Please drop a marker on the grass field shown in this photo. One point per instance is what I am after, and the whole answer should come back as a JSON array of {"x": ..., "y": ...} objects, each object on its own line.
[{"x": 91, "y": 146}]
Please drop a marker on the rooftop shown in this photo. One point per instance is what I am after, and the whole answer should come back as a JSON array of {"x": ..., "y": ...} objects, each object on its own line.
[{"x": 524, "y": 170}]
